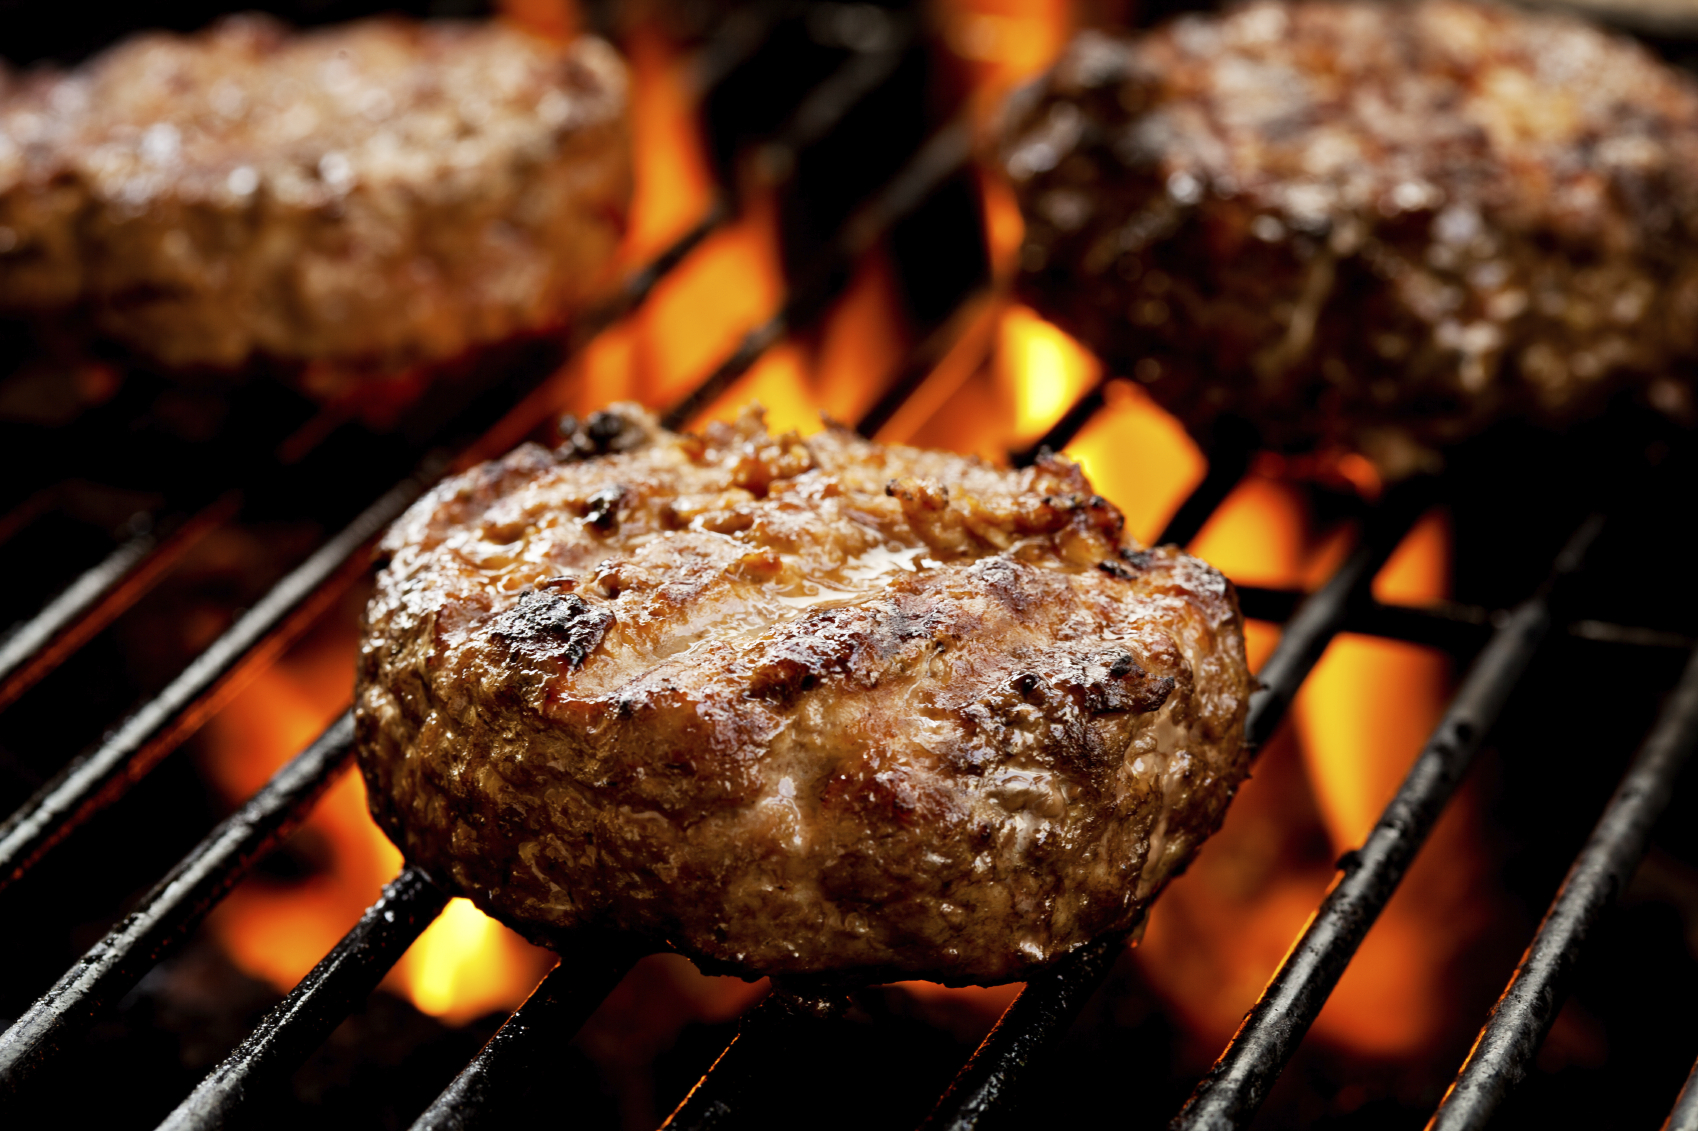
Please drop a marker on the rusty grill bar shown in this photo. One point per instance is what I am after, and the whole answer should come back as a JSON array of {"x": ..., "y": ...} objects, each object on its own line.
[{"x": 1039, "y": 1017}]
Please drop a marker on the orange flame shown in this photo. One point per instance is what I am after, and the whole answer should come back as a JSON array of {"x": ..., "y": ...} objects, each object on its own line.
[
  {"x": 699, "y": 313},
  {"x": 1005, "y": 228},
  {"x": 466, "y": 965},
  {"x": 1003, "y": 42},
  {"x": 1033, "y": 373},
  {"x": 864, "y": 339},
  {"x": 1139, "y": 457},
  {"x": 1044, "y": 370},
  {"x": 1363, "y": 714},
  {"x": 463, "y": 966},
  {"x": 673, "y": 185}
]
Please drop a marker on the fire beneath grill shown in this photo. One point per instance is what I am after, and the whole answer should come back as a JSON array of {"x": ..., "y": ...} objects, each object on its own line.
[{"x": 757, "y": 301}]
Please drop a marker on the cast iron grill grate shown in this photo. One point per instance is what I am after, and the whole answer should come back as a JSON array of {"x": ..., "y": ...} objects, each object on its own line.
[{"x": 928, "y": 168}]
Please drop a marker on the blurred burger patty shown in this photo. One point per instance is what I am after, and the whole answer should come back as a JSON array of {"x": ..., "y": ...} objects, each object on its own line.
[
  {"x": 378, "y": 194},
  {"x": 1378, "y": 226}
]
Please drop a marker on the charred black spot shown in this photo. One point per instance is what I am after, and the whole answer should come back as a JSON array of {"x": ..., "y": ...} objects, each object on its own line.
[
  {"x": 1116, "y": 568},
  {"x": 602, "y": 433},
  {"x": 554, "y": 626},
  {"x": 602, "y": 512},
  {"x": 1105, "y": 515},
  {"x": 1124, "y": 686},
  {"x": 607, "y": 429},
  {"x": 1137, "y": 559}
]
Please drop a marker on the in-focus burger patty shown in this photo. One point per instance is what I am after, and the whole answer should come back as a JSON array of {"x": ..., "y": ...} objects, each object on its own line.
[
  {"x": 1375, "y": 225},
  {"x": 796, "y": 705},
  {"x": 378, "y": 194}
]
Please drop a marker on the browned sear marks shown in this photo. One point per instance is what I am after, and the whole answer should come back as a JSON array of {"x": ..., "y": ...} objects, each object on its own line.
[{"x": 796, "y": 705}]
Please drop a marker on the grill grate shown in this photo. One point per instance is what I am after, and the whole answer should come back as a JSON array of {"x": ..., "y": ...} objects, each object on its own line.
[
  {"x": 986, "y": 1087},
  {"x": 1524, "y": 1013},
  {"x": 1276, "y": 1024}
]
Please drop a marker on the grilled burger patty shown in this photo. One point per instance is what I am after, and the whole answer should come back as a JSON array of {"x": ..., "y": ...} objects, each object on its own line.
[
  {"x": 1370, "y": 225},
  {"x": 379, "y": 194},
  {"x": 796, "y": 705}
]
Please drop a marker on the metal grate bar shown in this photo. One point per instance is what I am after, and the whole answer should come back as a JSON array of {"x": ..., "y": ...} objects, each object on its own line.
[
  {"x": 172, "y": 909},
  {"x": 1449, "y": 625},
  {"x": 922, "y": 362},
  {"x": 536, "y": 1036},
  {"x": 946, "y": 152},
  {"x": 1041, "y": 1014},
  {"x": 828, "y": 103},
  {"x": 1276, "y": 1024},
  {"x": 1229, "y": 461},
  {"x": 1442, "y": 624},
  {"x": 739, "y": 35},
  {"x": 723, "y": 1091},
  {"x": 95, "y": 780},
  {"x": 1523, "y": 1015},
  {"x": 1063, "y": 431},
  {"x": 1684, "y": 1117},
  {"x": 643, "y": 281},
  {"x": 1031, "y": 1025},
  {"x": 326, "y": 996},
  {"x": 91, "y": 602}
]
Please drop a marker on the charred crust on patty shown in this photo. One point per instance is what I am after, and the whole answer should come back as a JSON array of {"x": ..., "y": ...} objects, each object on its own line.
[
  {"x": 809, "y": 706},
  {"x": 546, "y": 625}
]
